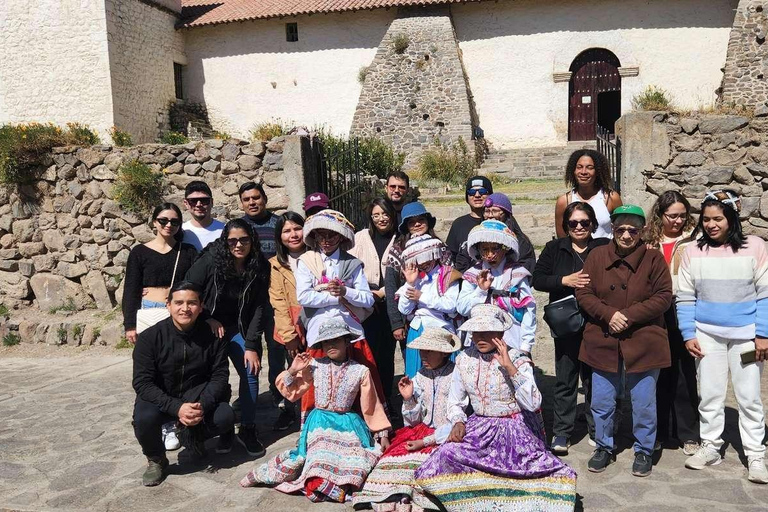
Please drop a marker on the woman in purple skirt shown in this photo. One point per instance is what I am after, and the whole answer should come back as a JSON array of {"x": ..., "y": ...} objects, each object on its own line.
[{"x": 497, "y": 459}]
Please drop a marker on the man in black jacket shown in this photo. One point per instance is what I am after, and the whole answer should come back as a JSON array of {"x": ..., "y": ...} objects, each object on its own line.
[{"x": 180, "y": 373}]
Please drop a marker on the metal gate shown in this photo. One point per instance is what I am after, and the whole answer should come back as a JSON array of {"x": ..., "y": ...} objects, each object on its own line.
[
  {"x": 338, "y": 175},
  {"x": 611, "y": 148},
  {"x": 594, "y": 93}
]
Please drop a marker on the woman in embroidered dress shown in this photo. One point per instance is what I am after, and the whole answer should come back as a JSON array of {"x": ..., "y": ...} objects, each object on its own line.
[
  {"x": 429, "y": 296},
  {"x": 497, "y": 459},
  {"x": 390, "y": 487},
  {"x": 336, "y": 448},
  {"x": 499, "y": 278}
]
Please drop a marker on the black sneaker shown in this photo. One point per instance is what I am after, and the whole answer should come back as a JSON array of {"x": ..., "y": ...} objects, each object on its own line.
[
  {"x": 156, "y": 471},
  {"x": 192, "y": 440},
  {"x": 560, "y": 445},
  {"x": 224, "y": 444},
  {"x": 285, "y": 420},
  {"x": 599, "y": 461},
  {"x": 250, "y": 440},
  {"x": 643, "y": 464}
]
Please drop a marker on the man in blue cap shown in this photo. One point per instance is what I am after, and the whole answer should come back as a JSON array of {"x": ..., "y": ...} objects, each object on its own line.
[{"x": 477, "y": 191}]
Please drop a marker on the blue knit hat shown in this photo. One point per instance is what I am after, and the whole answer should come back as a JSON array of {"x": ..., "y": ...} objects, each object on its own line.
[
  {"x": 415, "y": 209},
  {"x": 492, "y": 231}
]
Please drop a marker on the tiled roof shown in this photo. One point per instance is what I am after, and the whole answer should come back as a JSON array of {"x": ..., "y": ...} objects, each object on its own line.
[{"x": 196, "y": 13}]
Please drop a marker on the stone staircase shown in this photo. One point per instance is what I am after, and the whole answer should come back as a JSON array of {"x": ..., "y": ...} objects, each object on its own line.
[{"x": 520, "y": 163}]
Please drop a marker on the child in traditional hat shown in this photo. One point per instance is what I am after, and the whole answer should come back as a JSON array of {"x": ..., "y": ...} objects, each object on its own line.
[
  {"x": 336, "y": 448},
  {"x": 497, "y": 458},
  {"x": 499, "y": 278},
  {"x": 428, "y": 298},
  {"x": 390, "y": 484},
  {"x": 330, "y": 283}
]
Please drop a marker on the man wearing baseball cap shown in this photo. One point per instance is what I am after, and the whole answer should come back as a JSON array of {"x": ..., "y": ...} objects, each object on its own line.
[
  {"x": 477, "y": 191},
  {"x": 316, "y": 202}
]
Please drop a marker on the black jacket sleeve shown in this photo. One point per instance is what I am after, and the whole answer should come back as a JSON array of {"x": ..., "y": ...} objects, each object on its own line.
[
  {"x": 462, "y": 261},
  {"x": 544, "y": 277},
  {"x": 145, "y": 373},
  {"x": 391, "y": 285},
  {"x": 217, "y": 388},
  {"x": 255, "y": 328},
  {"x": 527, "y": 256},
  {"x": 134, "y": 280}
]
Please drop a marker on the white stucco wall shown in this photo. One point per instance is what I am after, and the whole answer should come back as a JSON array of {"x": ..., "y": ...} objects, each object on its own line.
[
  {"x": 232, "y": 68},
  {"x": 511, "y": 49},
  {"x": 143, "y": 45},
  {"x": 54, "y": 65}
]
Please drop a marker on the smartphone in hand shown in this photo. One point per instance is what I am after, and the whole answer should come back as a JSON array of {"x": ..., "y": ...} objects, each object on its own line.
[{"x": 748, "y": 357}]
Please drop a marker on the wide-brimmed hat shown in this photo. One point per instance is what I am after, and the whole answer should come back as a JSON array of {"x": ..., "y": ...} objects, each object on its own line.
[
  {"x": 499, "y": 200},
  {"x": 728, "y": 197},
  {"x": 422, "y": 249},
  {"x": 492, "y": 231},
  {"x": 487, "y": 318},
  {"x": 332, "y": 221},
  {"x": 334, "y": 328},
  {"x": 415, "y": 209},
  {"x": 437, "y": 339}
]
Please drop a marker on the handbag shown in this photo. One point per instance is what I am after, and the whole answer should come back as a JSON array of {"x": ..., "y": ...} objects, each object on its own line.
[
  {"x": 564, "y": 317},
  {"x": 146, "y": 318}
]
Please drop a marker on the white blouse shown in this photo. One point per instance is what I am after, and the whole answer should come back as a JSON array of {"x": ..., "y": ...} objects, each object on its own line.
[{"x": 429, "y": 403}]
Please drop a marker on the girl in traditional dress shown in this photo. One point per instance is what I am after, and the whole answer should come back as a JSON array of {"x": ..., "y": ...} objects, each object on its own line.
[
  {"x": 336, "y": 448},
  {"x": 429, "y": 296},
  {"x": 499, "y": 278},
  {"x": 497, "y": 459},
  {"x": 390, "y": 486}
]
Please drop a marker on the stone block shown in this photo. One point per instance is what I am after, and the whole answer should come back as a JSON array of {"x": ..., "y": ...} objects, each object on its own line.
[
  {"x": 175, "y": 168},
  {"x": 44, "y": 262},
  {"x": 100, "y": 236},
  {"x": 52, "y": 291},
  {"x": 121, "y": 258},
  {"x": 230, "y": 152},
  {"x": 659, "y": 186},
  {"x": 111, "y": 209},
  {"x": 230, "y": 188},
  {"x": 211, "y": 166},
  {"x": 742, "y": 175},
  {"x": 255, "y": 148},
  {"x": 749, "y": 206},
  {"x": 90, "y": 157},
  {"x": 722, "y": 124},
  {"x": 228, "y": 168},
  {"x": 88, "y": 336},
  {"x": 25, "y": 230},
  {"x": 274, "y": 179},
  {"x": 248, "y": 162},
  {"x": 689, "y": 125},
  {"x": 57, "y": 334},
  {"x": 101, "y": 173},
  {"x": 142, "y": 233},
  {"x": 26, "y": 268},
  {"x": 273, "y": 160},
  {"x": 277, "y": 144},
  {"x": 718, "y": 175},
  {"x": 214, "y": 143},
  {"x": 27, "y": 330},
  {"x": 95, "y": 286},
  {"x": 193, "y": 169},
  {"x": 9, "y": 265},
  {"x": 14, "y": 285},
  {"x": 111, "y": 334},
  {"x": 54, "y": 240},
  {"x": 688, "y": 158},
  {"x": 71, "y": 270},
  {"x": 7, "y": 240},
  {"x": 727, "y": 157},
  {"x": 113, "y": 161},
  {"x": 29, "y": 249},
  {"x": 67, "y": 172},
  {"x": 764, "y": 205}
]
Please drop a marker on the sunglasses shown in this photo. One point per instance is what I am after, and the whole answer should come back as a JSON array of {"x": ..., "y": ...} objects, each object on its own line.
[
  {"x": 244, "y": 241},
  {"x": 164, "y": 222},
  {"x": 632, "y": 231},
  {"x": 474, "y": 191},
  {"x": 205, "y": 201},
  {"x": 583, "y": 223}
]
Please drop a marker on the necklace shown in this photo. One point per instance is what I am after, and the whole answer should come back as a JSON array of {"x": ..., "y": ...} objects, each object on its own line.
[{"x": 578, "y": 254}]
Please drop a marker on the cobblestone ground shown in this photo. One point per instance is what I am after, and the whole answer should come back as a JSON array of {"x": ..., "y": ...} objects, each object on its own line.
[{"x": 66, "y": 443}]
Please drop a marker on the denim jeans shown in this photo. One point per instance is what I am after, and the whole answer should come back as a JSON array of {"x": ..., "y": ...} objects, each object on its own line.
[
  {"x": 151, "y": 304},
  {"x": 249, "y": 383},
  {"x": 642, "y": 390}
]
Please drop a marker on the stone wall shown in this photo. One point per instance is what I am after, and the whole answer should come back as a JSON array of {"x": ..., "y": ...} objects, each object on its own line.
[
  {"x": 143, "y": 46},
  {"x": 746, "y": 67},
  {"x": 691, "y": 154},
  {"x": 68, "y": 249},
  {"x": 410, "y": 98}
]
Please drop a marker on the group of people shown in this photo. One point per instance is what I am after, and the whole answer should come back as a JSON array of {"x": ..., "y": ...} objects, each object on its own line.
[{"x": 657, "y": 309}]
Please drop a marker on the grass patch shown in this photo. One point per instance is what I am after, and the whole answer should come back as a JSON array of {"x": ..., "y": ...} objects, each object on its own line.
[
  {"x": 120, "y": 137},
  {"x": 652, "y": 98},
  {"x": 11, "y": 339},
  {"x": 96, "y": 332},
  {"x": 138, "y": 188},
  {"x": 83, "y": 134},
  {"x": 174, "y": 138},
  {"x": 124, "y": 343},
  {"x": 400, "y": 43},
  {"x": 61, "y": 333},
  {"x": 3, "y": 310},
  {"x": 221, "y": 135},
  {"x": 447, "y": 164},
  {"x": 362, "y": 73},
  {"x": 77, "y": 331},
  {"x": 69, "y": 305},
  {"x": 268, "y": 130}
]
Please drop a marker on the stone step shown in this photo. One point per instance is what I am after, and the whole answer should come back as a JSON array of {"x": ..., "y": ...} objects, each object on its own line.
[{"x": 544, "y": 162}]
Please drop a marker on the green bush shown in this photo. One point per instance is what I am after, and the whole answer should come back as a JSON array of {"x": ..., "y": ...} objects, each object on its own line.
[
  {"x": 11, "y": 339},
  {"x": 268, "y": 130},
  {"x": 362, "y": 73},
  {"x": 400, "y": 43},
  {"x": 120, "y": 138},
  {"x": 377, "y": 158},
  {"x": 221, "y": 135},
  {"x": 138, "y": 188},
  {"x": 454, "y": 164},
  {"x": 174, "y": 138},
  {"x": 123, "y": 343},
  {"x": 3, "y": 310},
  {"x": 82, "y": 135},
  {"x": 652, "y": 98}
]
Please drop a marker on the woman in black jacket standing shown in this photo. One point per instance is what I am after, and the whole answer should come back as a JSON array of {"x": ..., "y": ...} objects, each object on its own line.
[
  {"x": 558, "y": 271},
  {"x": 234, "y": 276}
]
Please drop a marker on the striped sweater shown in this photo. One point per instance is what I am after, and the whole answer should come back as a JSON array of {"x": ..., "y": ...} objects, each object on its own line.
[{"x": 724, "y": 293}]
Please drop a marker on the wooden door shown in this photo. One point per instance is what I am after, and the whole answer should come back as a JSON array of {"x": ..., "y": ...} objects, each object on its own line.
[{"x": 594, "y": 71}]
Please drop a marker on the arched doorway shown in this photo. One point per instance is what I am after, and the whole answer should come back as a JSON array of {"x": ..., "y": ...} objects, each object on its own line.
[{"x": 594, "y": 93}]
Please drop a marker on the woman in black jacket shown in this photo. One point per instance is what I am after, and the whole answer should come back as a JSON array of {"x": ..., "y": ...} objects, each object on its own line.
[
  {"x": 234, "y": 276},
  {"x": 558, "y": 271}
]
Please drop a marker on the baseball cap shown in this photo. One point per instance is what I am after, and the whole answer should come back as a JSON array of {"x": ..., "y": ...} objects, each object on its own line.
[
  {"x": 315, "y": 200},
  {"x": 628, "y": 209}
]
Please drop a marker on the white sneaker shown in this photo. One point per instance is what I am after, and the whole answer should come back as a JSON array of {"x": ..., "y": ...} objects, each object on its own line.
[
  {"x": 757, "y": 471},
  {"x": 169, "y": 437},
  {"x": 704, "y": 456},
  {"x": 592, "y": 442}
]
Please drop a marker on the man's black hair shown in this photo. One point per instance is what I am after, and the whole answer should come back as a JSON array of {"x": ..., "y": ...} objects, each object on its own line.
[
  {"x": 182, "y": 286},
  {"x": 251, "y": 185},
  {"x": 197, "y": 186}
]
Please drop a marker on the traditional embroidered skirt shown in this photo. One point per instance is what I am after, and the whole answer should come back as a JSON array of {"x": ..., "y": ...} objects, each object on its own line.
[
  {"x": 502, "y": 464},
  {"x": 393, "y": 476},
  {"x": 335, "y": 447}
]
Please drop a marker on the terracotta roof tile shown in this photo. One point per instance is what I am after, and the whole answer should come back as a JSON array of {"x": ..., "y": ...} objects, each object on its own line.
[{"x": 196, "y": 13}]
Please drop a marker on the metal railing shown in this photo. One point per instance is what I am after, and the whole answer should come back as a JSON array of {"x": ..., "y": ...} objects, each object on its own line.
[
  {"x": 610, "y": 146},
  {"x": 340, "y": 178}
]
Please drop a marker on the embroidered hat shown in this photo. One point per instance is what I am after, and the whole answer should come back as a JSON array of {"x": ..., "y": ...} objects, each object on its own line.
[
  {"x": 318, "y": 199},
  {"x": 628, "y": 209},
  {"x": 437, "y": 339},
  {"x": 499, "y": 200},
  {"x": 493, "y": 231},
  {"x": 487, "y": 318},
  {"x": 728, "y": 197},
  {"x": 334, "y": 328},
  {"x": 332, "y": 221},
  {"x": 422, "y": 249},
  {"x": 415, "y": 209}
]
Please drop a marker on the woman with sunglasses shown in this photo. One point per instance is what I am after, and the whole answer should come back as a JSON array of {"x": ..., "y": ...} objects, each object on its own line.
[
  {"x": 677, "y": 395},
  {"x": 234, "y": 276},
  {"x": 559, "y": 272},
  {"x": 629, "y": 291},
  {"x": 150, "y": 268}
]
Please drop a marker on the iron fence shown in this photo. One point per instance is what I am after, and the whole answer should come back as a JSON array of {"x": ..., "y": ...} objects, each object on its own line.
[{"x": 610, "y": 146}]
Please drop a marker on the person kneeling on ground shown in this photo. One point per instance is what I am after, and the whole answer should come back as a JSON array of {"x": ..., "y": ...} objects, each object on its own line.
[{"x": 197, "y": 397}]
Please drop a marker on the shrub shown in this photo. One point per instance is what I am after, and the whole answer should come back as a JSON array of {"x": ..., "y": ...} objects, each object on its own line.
[
  {"x": 174, "y": 138},
  {"x": 61, "y": 333},
  {"x": 268, "y": 130},
  {"x": 3, "y": 310},
  {"x": 362, "y": 74},
  {"x": 376, "y": 157},
  {"x": 400, "y": 43},
  {"x": 81, "y": 135},
  {"x": 123, "y": 343},
  {"x": 446, "y": 164},
  {"x": 11, "y": 339},
  {"x": 138, "y": 188},
  {"x": 652, "y": 98},
  {"x": 120, "y": 138},
  {"x": 221, "y": 135}
]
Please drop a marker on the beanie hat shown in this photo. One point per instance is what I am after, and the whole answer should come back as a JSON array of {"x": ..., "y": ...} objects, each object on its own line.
[
  {"x": 499, "y": 200},
  {"x": 479, "y": 181},
  {"x": 332, "y": 221},
  {"x": 728, "y": 197},
  {"x": 415, "y": 209},
  {"x": 422, "y": 249},
  {"x": 492, "y": 231}
]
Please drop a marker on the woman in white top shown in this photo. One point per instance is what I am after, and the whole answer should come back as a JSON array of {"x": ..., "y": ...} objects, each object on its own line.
[{"x": 589, "y": 177}]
